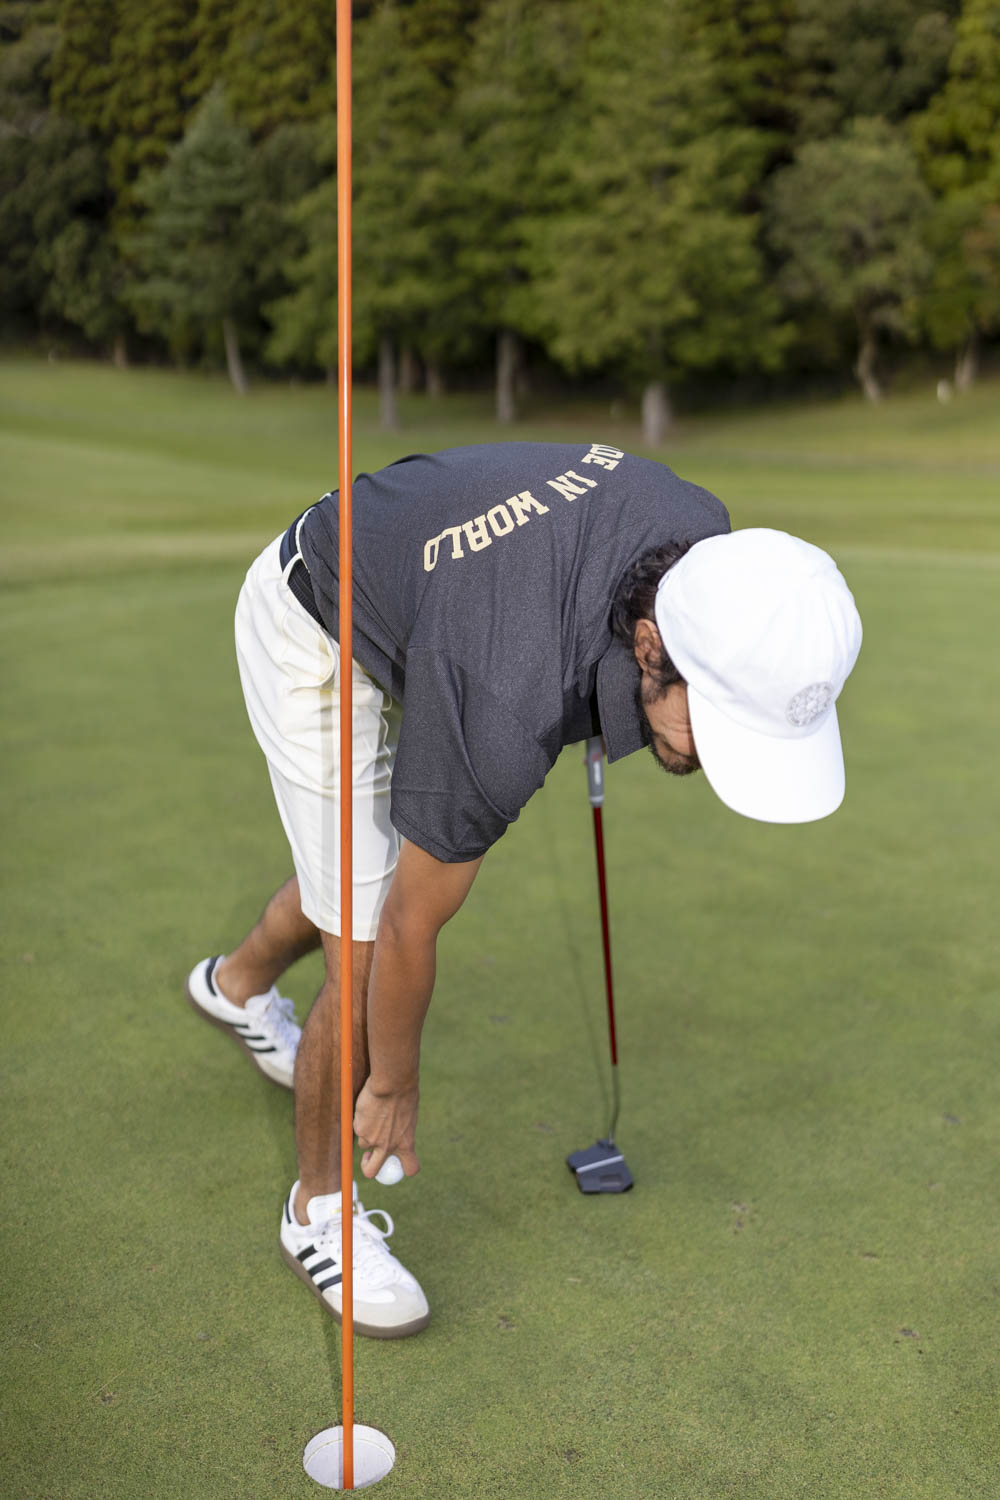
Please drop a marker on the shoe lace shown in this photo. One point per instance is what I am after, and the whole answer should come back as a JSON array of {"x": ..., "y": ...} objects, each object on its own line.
[
  {"x": 281, "y": 1014},
  {"x": 373, "y": 1262}
]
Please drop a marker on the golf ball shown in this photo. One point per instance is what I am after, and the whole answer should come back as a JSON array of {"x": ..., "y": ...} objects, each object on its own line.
[{"x": 390, "y": 1171}]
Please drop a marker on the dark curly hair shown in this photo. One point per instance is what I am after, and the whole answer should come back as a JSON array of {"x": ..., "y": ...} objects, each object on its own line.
[{"x": 635, "y": 598}]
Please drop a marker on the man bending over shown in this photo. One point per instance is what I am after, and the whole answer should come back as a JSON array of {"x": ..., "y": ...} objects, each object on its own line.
[{"x": 509, "y": 600}]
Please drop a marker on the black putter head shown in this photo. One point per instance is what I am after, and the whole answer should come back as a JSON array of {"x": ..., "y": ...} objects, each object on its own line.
[{"x": 600, "y": 1169}]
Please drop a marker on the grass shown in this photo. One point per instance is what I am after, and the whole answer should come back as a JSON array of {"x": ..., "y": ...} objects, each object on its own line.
[{"x": 798, "y": 1299}]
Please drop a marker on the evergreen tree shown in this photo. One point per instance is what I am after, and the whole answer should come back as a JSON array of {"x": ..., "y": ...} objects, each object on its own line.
[
  {"x": 52, "y": 190},
  {"x": 516, "y": 87},
  {"x": 744, "y": 46},
  {"x": 286, "y": 171},
  {"x": 651, "y": 263},
  {"x": 304, "y": 320},
  {"x": 407, "y": 280},
  {"x": 194, "y": 249},
  {"x": 81, "y": 73},
  {"x": 405, "y": 61},
  {"x": 958, "y": 141},
  {"x": 85, "y": 273},
  {"x": 962, "y": 302},
  {"x": 958, "y": 135},
  {"x": 31, "y": 143},
  {"x": 848, "y": 215},
  {"x": 212, "y": 25},
  {"x": 856, "y": 57},
  {"x": 584, "y": 174},
  {"x": 149, "y": 93},
  {"x": 278, "y": 65}
]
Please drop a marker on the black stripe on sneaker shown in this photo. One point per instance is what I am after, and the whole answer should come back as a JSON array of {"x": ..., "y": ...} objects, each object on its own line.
[
  {"x": 324, "y": 1265},
  {"x": 250, "y": 1037},
  {"x": 212, "y": 962},
  {"x": 257, "y": 1051},
  {"x": 288, "y": 1209},
  {"x": 321, "y": 1286},
  {"x": 304, "y": 1255}
]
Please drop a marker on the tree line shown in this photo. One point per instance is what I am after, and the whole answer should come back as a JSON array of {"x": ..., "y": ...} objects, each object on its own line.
[{"x": 650, "y": 190}]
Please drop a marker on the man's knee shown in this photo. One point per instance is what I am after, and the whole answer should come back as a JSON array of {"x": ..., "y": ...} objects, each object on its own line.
[{"x": 361, "y": 965}]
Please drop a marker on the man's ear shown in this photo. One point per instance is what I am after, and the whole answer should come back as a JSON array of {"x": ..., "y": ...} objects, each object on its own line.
[{"x": 646, "y": 644}]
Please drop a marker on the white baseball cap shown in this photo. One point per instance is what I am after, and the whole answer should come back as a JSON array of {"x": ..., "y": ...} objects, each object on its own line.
[{"x": 764, "y": 630}]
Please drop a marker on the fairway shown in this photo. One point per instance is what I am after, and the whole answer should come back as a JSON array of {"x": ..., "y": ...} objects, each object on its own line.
[{"x": 799, "y": 1297}]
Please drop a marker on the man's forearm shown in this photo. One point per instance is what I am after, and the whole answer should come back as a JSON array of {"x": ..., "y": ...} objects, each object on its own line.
[
  {"x": 424, "y": 894},
  {"x": 399, "y": 992}
]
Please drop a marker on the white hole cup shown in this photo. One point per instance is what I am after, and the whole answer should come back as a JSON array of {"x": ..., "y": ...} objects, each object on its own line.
[{"x": 323, "y": 1459}]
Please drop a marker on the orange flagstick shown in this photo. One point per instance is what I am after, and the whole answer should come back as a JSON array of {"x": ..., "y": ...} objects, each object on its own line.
[
  {"x": 344, "y": 392},
  {"x": 330, "y": 1456}
]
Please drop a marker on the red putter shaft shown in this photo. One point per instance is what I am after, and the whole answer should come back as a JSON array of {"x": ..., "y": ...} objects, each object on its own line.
[
  {"x": 594, "y": 761},
  {"x": 605, "y": 932},
  {"x": 344, "y": 392}
]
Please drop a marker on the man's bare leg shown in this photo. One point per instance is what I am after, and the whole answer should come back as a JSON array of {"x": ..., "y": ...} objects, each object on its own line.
[
  {"x": 281, "y": 936},
  {"x": 317, "y": 1075},
  {"x": 388, "y": 1301}
]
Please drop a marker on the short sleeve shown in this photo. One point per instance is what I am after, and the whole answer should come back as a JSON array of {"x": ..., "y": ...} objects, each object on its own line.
[{"x": 465, "y": 765}]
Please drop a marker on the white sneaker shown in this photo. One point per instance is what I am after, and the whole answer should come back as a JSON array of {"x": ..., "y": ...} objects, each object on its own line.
[
  {"x": 265, "y": 1027},
  {"x": 388, "y": 1301}
]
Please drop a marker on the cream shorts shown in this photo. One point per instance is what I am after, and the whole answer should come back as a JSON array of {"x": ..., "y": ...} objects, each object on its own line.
[{"x": 290, "y": 671}]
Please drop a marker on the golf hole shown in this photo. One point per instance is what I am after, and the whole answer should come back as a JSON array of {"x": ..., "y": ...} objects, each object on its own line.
[{"x": 323, "y": 1459}]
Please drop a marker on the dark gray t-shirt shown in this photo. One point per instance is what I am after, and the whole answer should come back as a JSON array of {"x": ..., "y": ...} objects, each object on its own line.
[{"x": 483, "y": 580}]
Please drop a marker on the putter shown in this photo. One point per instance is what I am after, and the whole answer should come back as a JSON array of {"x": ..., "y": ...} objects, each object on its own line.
[{"x": 602, "y": 1168}]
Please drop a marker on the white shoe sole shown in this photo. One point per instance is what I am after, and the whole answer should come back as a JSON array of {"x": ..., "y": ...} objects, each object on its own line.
[
  {"x": 261, "y": 1063},
  {"x": 368, "y": 1330}
]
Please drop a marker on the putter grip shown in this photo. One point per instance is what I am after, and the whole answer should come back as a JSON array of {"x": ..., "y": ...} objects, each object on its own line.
[{"x": 595, "y": 771}]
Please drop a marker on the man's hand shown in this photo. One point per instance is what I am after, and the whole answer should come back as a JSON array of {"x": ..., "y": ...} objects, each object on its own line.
[{"x": 386, "y": 1125}]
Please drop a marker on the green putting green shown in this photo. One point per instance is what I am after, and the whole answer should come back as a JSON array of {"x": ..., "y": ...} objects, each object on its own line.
[{"x": 797, "y": 1300}]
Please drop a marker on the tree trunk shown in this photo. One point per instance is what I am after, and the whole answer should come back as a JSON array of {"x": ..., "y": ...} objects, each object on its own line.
[
  {"x": 435, "y": 379},
  {"x": 408, "y": 371},
  {"x": 119, "y": 352},
  {"x": 657, "y": 414},
  {"x": 508, "y": 360},
  {"x": 967, "y": 362},
  {"x": 234, "y": 360},
  {"x": 331, "y": 375},
  {"x": 864, "y": 367},
  {"x": 387, "y": 413}
]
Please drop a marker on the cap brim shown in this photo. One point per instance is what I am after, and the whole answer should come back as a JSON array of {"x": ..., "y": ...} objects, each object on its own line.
[{"x": 772, "y": 780}]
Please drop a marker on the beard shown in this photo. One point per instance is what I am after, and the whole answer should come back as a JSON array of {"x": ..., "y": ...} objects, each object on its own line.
[{"x": 668, "y": 759}]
